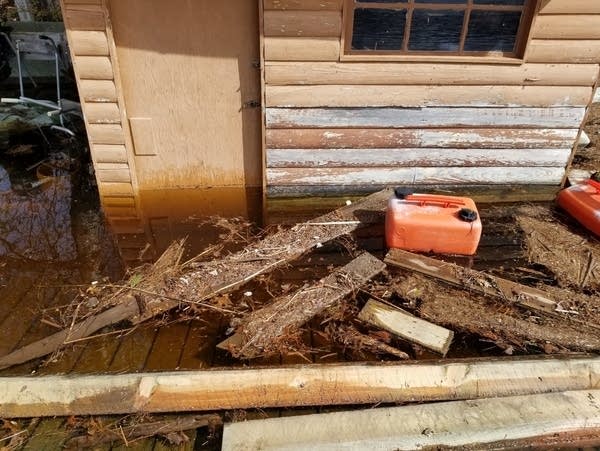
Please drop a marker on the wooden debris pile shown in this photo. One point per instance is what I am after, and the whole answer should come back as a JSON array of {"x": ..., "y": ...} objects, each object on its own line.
[{"x": 374, "y": 306}]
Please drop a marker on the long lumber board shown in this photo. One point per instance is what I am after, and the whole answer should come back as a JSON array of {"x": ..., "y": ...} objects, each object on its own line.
[
  {"x": 218, "y": 276},
  {"x": 523, "y": 420},
  {"x": 264, "y": 329},
  {"x": 478, "y": 281},
  {"x": 294, "y": 386}
]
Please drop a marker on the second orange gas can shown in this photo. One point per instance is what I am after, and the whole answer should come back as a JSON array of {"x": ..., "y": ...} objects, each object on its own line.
[{"x": 432, "y": 223}]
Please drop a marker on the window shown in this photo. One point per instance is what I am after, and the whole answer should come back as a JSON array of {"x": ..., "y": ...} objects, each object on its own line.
[{"x": 437, "y": 27}]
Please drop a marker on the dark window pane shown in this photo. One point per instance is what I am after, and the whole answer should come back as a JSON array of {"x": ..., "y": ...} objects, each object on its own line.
[
  {"x": 499, "y": 2},
  {"x": 436, "y": 30},
  {"x": 492, "y": 31},
  {"x": 456, "y": 2},
  {"x": 378, "y": 29}
]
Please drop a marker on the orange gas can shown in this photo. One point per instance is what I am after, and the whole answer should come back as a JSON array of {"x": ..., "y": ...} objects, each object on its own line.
[
  {"x": 432, "y": 223},
  {"x": 582, "y": 201}
]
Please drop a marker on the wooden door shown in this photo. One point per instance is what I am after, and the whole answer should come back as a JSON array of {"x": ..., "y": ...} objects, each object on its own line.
[{"x": 191, "y": 79}]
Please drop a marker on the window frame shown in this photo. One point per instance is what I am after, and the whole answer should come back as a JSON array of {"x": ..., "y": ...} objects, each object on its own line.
[{"x": 529, "y": 10}]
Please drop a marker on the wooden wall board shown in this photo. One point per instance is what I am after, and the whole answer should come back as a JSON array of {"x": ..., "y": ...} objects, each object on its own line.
[
  {"x": 304, "y": 5},
  {"x": 106, "y": 153},
  {"x": 116, "y": 190},
  {"x": 567, "y": 26},
  {"x": 570, "y": 7},
  {"x": 89, "y": 43},
  {"x": 103, "y": 113},
  {"x": 414, "y": 175},
  {"x": 425, "y": 96},
  {"x": 419, "y": 157},
  {"x": 563, "y": 51},
  {"x": 106, "y": 134},
  {"x": 424, "y": 117},
  {"x": 524, "y": 420},
  {"x": 494, "y": 138},
  {"x": 98, "y": 90},
  {"x": 84, "y": 17},
  {"x": 94, "y": 67},
  {"x": 393, "y": 73},
  {"x": 303, "y": 23},
  {"x": 302, "y": 49},
  {"x": 114, "y": 175}
]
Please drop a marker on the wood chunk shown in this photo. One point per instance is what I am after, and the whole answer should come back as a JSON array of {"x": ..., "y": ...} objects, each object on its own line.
[
  {"x": 407, "y": 326},
  {"x": 483, "y": 283},
  {"x": 294, "y": 386},
  {"x": 265, "y": 330},
  {"x": 522, "y": 420}
]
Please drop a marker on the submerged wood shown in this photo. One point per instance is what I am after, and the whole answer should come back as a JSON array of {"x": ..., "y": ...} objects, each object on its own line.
[
  {"x": 482, "y": 424},
  {"x": 483, "y": 283},
  {"x": 352, "y": 338},
  {"x": 309, "y": 385},
  {"x": 143, "y": 430},
  {"x": 209, "y": 279},
  {"x": 407, "y": 326},
  {"x": 265, "y": 330}
]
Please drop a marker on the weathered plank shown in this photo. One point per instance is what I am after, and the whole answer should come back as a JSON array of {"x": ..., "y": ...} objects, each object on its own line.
[
  {"x": 407, "y": 326},
  {"x": 421, "y": 157},
  {"x": 304, "y": 5},
  {"x": 423, "y": 117},
  {"x": 457, "y": 138},
  {"x": 567, "y": 26},
  {"x": 89, "y": 43},
  {"x": 433, "y": 176},
  {"x": 572, "y": 7},
  {"x": 563, "y": 51},
  {"x": 303, "y": 23},
  {"x": 93, "y": 67},
  {"x": 302, "y": 49},
  {"x": 425, "y": 96},
  {"x": 483, "y": 283},
  {"x": 102, "y": 153},
  {"x": 293, "y": 386},
  {"x": 102, "y": 113},
  {"x": 328, "y": 73},
  {"x": 523, "y": 421},
  {"x": 106, "y": 134},
  {"x": 265, "y": 329},
  {"x": 98, "y": 90},
  {"x": 84, "y": 17}
]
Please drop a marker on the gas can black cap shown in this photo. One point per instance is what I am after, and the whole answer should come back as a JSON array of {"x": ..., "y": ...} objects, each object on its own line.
[
  {"x": 402, "y": 192},
  {"x": 595, "y": 176},
  {"x": 467, "y": 215}
]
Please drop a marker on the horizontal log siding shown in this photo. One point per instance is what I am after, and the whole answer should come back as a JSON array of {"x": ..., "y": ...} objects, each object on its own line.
[
  {"x": 331, "y": 122},
  {"x": 89, "y": 44}
]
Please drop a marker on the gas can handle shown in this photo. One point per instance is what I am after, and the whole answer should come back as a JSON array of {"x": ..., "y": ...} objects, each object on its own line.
[{"x": 423, "y": 199}]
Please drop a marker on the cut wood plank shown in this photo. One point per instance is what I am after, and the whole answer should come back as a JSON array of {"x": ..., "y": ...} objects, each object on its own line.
[
  {"x": 302, "y": 49},
  {"x": 84, "y": 17},
  {"x": 425, "y": 96},
  {"x": 483, "y": 138},
  {"x": 563, "y": 51},
  {"x": 264, "y": 331},
  {"x": 424, "y": 117},
  {"x": 109, "y": 153},
  {"x": 106, "y": 134},
  {"x": 486, "y": 284},
  {"x": 567, "y": 26},
  {"x": 328, "y": 73},
  {"x": 295, "y": 386},
  {"x": 305, "y": 5},
  {"x": 407, "y": 326},
  {"x": 211, "y": 278},
  {"x": 102, "y": 113},
  {"x": 517, "y": 420},
  {"x": 116, "y": 189},
  {"x": 93, "y": 67},
  {"x": 318, "y": 158},
  {"x": 431, "y": 176},
  {"x": 303, "y": 23}
]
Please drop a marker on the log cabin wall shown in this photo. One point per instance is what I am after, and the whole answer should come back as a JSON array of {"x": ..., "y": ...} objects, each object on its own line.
[
  {"x": 334, "y": 125},
  {"x": 94, "y": 60}
]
